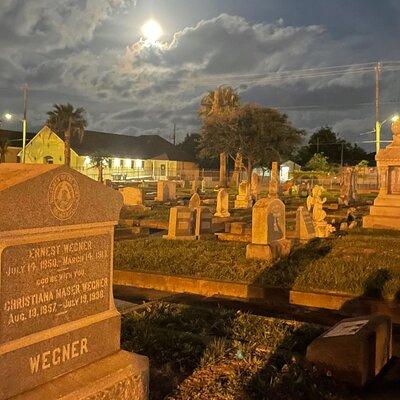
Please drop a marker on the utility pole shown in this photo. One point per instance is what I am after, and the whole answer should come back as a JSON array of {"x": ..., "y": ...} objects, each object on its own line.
[
  {"x": 378, "y": 125},
  {"x": 174, "y": 135},
  {"x": 317, "y": 144},
  {"x": 24, "y": 120}
]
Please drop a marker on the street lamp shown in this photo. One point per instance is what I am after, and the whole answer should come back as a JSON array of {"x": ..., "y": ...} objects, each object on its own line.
[
  {"x": 378, "y": 127},
  {"x": 9, "y": 117}
]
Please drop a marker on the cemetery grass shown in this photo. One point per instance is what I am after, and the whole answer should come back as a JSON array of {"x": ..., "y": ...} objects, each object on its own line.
[
  {"x": 364, "y": 262},
  {"x": 200, "y": 353},
  {"x": 157, "y": 212}
]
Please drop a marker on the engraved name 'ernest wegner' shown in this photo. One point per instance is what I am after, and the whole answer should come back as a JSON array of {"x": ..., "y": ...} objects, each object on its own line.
[{"x": 65, "y": 280}]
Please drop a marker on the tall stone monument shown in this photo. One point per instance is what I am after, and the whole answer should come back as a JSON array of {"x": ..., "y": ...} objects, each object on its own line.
[
  {"x": 273, "y": 188},
  {"x": 348, "y": 191},
  {"x": 385, "y": 213},
  {"x": 255, "y": 185},
  {"x": 60, "y": 330}
]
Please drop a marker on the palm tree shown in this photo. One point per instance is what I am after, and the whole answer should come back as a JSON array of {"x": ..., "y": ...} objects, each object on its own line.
[
  {"x": 70, "y": 122},
  {"x": 218, "y": 101},
  {"x": 4, "y": 143}
]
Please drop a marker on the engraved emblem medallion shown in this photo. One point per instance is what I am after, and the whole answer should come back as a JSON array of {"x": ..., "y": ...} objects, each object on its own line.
[{"x": 63, "y": 196}]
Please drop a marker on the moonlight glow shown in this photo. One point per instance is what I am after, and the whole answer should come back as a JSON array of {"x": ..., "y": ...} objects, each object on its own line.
[{"x": 152, "y": 31}]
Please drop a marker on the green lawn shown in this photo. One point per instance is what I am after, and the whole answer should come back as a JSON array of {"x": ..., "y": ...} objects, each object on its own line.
[
  {"x": 211, "y": 354},
  {"x": 159, "y": 213},
  {"x": 362, "y": 262}
]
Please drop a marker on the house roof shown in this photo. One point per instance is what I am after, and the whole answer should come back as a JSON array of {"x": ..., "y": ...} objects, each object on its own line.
[
  {"x": 15, "y": 137},
  {"x": 143, "y": 147}
]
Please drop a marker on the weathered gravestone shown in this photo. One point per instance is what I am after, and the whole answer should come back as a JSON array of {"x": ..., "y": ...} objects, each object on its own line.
[
  {"x": 132, "y": 196},
  {"x": 59, "y": 328},
  {"x": 181, "y": 224},
  {"x": 166, "y": 191},
  {"x": 222, "y": 204},
  {"x": 305, "y": 229},
  {"x": 203, "y": 227},
  {"x": 243, "y": 199},
  {"x": 268, "y": 239},
  {"x": 194, "y": 201},
  {"x": 354, "y": 350}
]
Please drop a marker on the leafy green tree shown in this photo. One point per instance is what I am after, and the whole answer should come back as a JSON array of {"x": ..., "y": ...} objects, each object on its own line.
[
  {"x": 318, "y": 162},
  {"x": 261, "y": 135},
  {"x": 68, "y": 121},
  {"x": 326, "y": 141}
]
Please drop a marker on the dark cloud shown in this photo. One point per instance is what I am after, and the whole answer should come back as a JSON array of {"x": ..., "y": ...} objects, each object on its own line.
[{"x": 55, "y": 46}]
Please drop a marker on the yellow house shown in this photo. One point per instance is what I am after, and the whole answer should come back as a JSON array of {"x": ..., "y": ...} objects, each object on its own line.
[{"x": 125, "y": 157}]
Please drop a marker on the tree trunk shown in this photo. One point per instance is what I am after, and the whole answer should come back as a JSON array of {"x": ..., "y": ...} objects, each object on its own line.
[
  {"x": 101, "y": 173},
  {"x": 67, "y": 145},
  {"x": 238, "y": 167},
  {"x": 222, "y": 170},
  {"x": 249, "y": 172}
]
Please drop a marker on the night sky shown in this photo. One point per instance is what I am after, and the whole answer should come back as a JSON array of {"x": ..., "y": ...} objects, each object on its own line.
[{"x": 90, "y": 53}]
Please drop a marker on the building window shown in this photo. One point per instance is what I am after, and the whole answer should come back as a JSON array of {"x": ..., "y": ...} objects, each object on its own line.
[
  {"x": 48, "y": 160},
  {"x": 139, "y": 164}
]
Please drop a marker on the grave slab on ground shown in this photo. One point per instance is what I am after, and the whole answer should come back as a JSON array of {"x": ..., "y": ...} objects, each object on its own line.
[
  {"x": 59, "y": 328},
  {"x": 354, "y": 350}
]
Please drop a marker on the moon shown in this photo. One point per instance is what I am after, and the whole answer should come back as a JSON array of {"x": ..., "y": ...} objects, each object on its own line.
[{"x": 152, "y": 31}]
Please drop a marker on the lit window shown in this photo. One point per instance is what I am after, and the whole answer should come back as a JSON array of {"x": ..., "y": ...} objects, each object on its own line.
[
  {"x": 139, "y": 164},
  {"x": 117, "y": 162},
  {"x": 128, "y": 163}
]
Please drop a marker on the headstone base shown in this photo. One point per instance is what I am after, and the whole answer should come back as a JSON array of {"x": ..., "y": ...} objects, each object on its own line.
[
  {"x": 233, "y": 237},
  {"x": 274, "y": 250},
  {"x": 122, "y": 376},
  {"x": 168, "y": 237},
  {"x": 243, "y": 203},
  {"x": 381, "y": 222},
  {"x": 259, "y": 252},
  {"x": 222, "y": 215}
]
